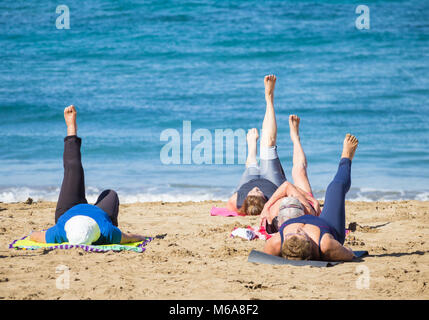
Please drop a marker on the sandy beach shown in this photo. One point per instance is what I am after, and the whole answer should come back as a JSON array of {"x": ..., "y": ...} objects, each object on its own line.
[{"x": 197, "y": 259}]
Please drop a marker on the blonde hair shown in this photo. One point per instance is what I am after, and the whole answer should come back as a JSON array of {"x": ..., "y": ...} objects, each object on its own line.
[
  {"x": 253, "y": 205},
  {"x": 297, "y": 248}
]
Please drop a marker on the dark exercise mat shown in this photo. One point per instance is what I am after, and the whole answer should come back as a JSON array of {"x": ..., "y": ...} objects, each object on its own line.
[{"x": 261, "y": 257}]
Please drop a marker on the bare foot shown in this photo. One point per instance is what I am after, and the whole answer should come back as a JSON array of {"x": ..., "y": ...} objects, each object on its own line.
[
  {"x": 349, "y": 146},
  {"x": 294, "y": 127},
  {"x": 252, "y": 138},
  {"x": 70, "y": 118},
  {"x": 270, "y": 83},
  {"x": 252, "y": 135}
]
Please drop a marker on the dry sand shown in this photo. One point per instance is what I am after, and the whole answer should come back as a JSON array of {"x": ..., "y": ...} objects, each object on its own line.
[{"x": 198, "y": 259}]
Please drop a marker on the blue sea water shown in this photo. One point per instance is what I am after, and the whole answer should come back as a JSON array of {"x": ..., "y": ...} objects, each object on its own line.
[{"x": 136, "y": 68}]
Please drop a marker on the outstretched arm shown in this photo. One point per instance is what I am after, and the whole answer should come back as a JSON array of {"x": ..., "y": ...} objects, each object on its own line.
[
  {"x": 332, "y": 250},
  {"x": 130, "y": 237},
  {"x": 38, "y": 236}
]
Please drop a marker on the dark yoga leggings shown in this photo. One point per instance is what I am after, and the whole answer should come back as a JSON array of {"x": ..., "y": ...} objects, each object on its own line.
[
  {"x": 334, "y": 211},
  {"x": 73, "y": 188}
]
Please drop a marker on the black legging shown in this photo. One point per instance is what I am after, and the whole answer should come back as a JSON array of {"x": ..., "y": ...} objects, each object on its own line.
[{"x": 73, "y": 188}]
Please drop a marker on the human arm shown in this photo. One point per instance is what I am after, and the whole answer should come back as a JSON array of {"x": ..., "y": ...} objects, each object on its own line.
[
  {"x": 293, "y": 191},
  {"x": 286, "y": 189},
  {"x": 131, "y": 237},
  {"x": 273, "y": 245},
  {"x": 315, "y": 205},
  {"x": 38, "y": 236},
  {"x": 332, "y": 250},
  {"x": 281, "y": 192},
  {"x": 232, "y": 203}
]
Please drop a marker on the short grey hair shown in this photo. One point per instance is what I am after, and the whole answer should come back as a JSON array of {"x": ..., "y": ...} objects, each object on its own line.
[{"x": 290, "y": 208}]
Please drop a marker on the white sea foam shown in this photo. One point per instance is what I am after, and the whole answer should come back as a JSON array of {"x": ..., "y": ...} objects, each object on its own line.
[
  {"x": 145, "y": 197},
  {"x": 20, "y": 194},
  {"x": 153, "y": 194},
  {"x": 423, "y": 196}
]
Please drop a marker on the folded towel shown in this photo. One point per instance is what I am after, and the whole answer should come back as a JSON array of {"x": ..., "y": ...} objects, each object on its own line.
[
  {"x": 26, "y": 244},
  {"x": 251, "y": 233}
]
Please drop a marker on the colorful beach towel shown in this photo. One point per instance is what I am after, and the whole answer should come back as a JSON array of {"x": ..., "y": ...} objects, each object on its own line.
[
  {"x": 26, "y": 244},
  {"x": 251, "y": 233},
  {"x": 224, "y": 212}
]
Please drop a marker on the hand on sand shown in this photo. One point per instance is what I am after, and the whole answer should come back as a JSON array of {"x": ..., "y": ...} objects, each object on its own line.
[
  {"x": 265, "y": 216},
  {"x": 70, "y": 118},
  {"x": 263, "y": 219},
  {"x": 294, "y": 127},
  {"x": 351, "y": 251},
  {"x": 270, "y": 83},
  {"x": 350, "y": 145}
]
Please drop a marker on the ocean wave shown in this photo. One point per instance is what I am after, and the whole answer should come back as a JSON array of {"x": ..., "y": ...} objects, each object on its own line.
[
  {"x": 155, "y": 194},
  {"x": 20, "y": 194}
]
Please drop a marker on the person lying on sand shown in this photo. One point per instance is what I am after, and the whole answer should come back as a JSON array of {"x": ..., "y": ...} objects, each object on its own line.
[
  {"x": 78, "y": 222},
  {"x": 310, "y": 237},
  {"x": 259, "y": 184},
  {"x": 291, "y": 200}
]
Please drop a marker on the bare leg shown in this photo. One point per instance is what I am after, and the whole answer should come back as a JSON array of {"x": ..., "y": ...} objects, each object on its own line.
[
  {"x": 349, "y": 146},
  {"x": 252, "y": 168},
  {"x": 269, "y": 125},
  {"x": 70, "y": 119},
  {"x": 252, "y": 138},
  {"x": 299, "y": 169}
]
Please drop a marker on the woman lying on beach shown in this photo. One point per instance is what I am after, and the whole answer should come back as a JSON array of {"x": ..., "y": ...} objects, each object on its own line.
[
  {"x": 78, "y": 222},
  {"x": 259, "y": 184},
  {"x": 291, "y": 200},
  {"x": 310, "y": 237}
]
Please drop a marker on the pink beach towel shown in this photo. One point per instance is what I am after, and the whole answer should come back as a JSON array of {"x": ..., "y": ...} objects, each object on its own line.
[{"x": 224, "y": 212}]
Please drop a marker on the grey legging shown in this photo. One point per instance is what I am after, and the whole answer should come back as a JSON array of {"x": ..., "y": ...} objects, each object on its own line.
[{"x": 271, "y": 170}]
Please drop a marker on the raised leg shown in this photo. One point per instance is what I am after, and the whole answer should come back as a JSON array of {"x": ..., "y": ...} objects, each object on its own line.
[
  {"x": 334, "y": 208},
  {"x": 73, "y": 186},
  {"x": 299, "y": 168},
  {"x": 252, "y": 139},
  {"x": 108, "y": 201},
  {"x": 252, "y": 169},
  {"x": 269, "y": 125},
  {"x": 271, "y": 168}
]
